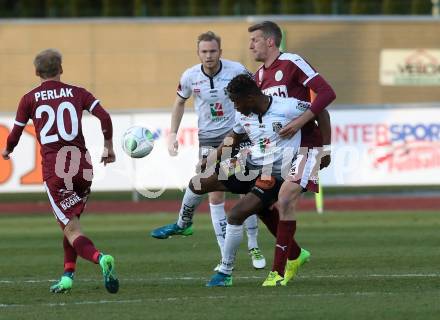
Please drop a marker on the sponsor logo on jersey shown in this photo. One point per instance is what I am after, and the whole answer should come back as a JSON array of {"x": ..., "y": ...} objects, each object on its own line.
[
  {"x": 70, "y": 201},
  {"x": 302, "y": 105},
  {"x": 216, "y": 110},
  {"x": 197, "y": 83},
  {"x": 224, "y": 79},
  {"x": 263, "y": 143},
  {"x": 276, "y": 126},
  {"x": 279, "y": 91}
]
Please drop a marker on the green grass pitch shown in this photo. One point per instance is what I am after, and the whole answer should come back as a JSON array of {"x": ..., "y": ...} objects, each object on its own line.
[{"x": 381, "y": 265}]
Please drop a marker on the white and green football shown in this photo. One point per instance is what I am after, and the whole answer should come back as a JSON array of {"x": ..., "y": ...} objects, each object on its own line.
[{"x": 137, "y": 142}]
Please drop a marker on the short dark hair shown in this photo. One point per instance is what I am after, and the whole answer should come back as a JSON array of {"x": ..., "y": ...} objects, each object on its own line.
[
  {"x": 242, "y": 86},
  {"x": 209, "y": 36},
  {"x": 270, "y": 30},
  {"x": 48, "y": 63}
]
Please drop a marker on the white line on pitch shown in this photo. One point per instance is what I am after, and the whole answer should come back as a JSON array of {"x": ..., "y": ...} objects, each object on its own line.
[
  {"x": 97, "y": 302},
  {"x": 329, "y": 276}
]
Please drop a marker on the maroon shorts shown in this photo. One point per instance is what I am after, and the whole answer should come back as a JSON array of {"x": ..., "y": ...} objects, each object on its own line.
[
  {"x": 305, "y": 168},
  {"x": 67, "y": 201}
]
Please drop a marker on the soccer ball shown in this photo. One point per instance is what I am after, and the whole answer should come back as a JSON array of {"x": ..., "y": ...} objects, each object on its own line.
[{"x": 137, "y": 142}]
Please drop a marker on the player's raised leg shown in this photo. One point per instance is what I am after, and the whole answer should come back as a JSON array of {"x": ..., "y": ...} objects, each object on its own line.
[
  {"x": 183, "y": 225},
  {"x": 85, "y": 248},
  {"x": 198, "y": 186}
]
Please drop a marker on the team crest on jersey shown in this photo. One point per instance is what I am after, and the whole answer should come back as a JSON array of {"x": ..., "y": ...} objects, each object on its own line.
[
  {"x": 216, "y": 110},
  {"x": 276, "y": 126},
  {"x": 279, "y": 75}
]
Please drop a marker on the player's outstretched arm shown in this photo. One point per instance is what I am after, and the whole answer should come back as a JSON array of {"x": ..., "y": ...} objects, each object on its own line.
[
  {"x": 324, "y": 126},
  {"x": 176, "y": 119},
  {"x": 13, "y": 139},
  {"x": 108, "y": 155},
  {"x": 5, "y": 154},
  {"x": 324, "y": 96}
]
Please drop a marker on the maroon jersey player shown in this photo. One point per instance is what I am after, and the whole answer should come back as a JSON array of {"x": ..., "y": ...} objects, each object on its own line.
[
  {"x": 289, "y": 75},
  {"x": 56, "y": 110}
]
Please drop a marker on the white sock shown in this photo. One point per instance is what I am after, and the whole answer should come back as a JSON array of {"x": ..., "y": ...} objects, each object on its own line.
[
  {"x": 219, "y": 222},
  {"x": 190, "y": 203},
  {"x": 251, "y": 224},
  {"x": 234, "y": 235}
]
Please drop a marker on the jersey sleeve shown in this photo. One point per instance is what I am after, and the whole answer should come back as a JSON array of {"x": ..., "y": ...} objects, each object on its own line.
[
  {"x": 243, "y": 70},
  {"x": 302, "y": 71},
  {"x": 93, "y": 105},
  {"x": 89, "y": 102},
  {"x": 238, "y": 128},
  {"x": 299, "y": 107},
  {"x": 23, "y": 112},
  {"x": 22, "y": 117},
  {"x": 184, "y": 88}
]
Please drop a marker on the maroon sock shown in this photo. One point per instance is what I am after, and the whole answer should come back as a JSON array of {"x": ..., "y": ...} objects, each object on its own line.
[
  {"x": 270, "y": 218},
  {"x": 284, "y": 235},
  {"x": 69, "y": 256},
  {"x": 294, "y": 249},
  {"x": 85, "y": 248}
]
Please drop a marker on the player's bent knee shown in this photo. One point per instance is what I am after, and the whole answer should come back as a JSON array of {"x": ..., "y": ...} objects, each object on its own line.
[
  {"x": 216, "y": 197},
  {"x": 194, "y": 189},
  {"x": 236, "y": 217}
]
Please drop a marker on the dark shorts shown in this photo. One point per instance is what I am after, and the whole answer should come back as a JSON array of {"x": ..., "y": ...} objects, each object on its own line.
[
  {"x": 67, "y": 201},
  {"x": 267, "y": 190}
]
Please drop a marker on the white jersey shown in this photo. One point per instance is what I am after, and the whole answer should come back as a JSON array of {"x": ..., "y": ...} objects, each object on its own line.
[
  {"x": 214, "y": 109},
  {"x": 268, "y": 148}
]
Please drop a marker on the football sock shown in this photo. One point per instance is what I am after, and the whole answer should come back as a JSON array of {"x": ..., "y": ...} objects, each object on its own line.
[
  {"x": 251, "y": 225},
  {"x": 271, "y": 219},
  {"x": 234, "y": 235},
  {"x": 85, "y": 248},
  {"x": 69, "y": 256},
  {"x": 190, "y": 203},
  {"x": 218, "y": 217},
  {"x": 285, "y": 232},
  {"x": 294, "y": 249}
]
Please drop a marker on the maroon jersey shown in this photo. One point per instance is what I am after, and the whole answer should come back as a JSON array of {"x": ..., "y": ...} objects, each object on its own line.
[
  {"x": 286, "y": 77},
  {"x": 56, "y": 110}
]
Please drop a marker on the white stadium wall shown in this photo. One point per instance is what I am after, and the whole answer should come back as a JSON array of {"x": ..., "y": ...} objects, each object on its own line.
[{"x": 371, "y": 147}]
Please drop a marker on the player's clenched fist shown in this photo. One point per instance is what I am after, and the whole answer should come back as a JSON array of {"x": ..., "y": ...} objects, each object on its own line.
[{"x": 173, "y": 145}]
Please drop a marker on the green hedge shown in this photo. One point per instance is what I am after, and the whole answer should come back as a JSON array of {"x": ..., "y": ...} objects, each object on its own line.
[{"x": 139, "y": 8}]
